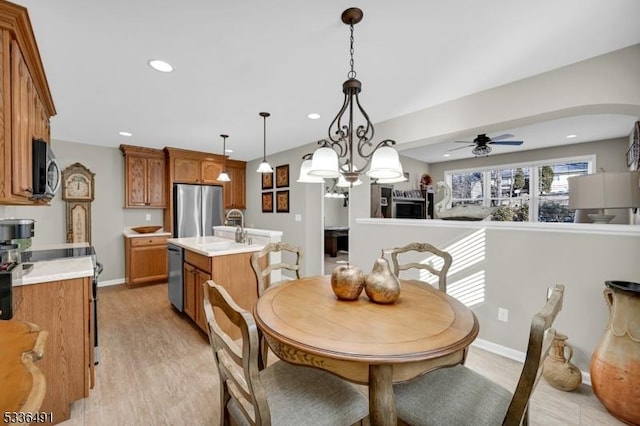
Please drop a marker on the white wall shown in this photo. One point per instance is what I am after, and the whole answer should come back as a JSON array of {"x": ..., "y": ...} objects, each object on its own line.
[{"x": 519, "y": 264}]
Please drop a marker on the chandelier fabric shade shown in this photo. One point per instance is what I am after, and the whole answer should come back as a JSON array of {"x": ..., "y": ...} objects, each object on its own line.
[
  {"x": 605, "y": 190},
  {"x": 264, "y": 167},
  {"x": 351, "y": 133},
  {"x": 224, "y": 176}
]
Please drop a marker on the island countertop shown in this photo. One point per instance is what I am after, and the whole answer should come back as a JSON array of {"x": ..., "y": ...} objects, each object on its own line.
[
  {"x": 211, "y": 246},
  {"x": 56, "y": 270}
]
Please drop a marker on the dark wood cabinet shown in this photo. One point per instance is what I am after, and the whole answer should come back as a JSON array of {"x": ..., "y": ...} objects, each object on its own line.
[{"x": 144, "y": 184}]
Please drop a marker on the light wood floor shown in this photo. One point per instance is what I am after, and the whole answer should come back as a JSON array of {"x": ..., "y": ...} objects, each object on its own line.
[{"x": 156, "y": 369}]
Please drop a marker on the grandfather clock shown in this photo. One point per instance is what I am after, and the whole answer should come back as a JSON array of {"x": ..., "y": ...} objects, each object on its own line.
[{"x": 78, "y": 192}]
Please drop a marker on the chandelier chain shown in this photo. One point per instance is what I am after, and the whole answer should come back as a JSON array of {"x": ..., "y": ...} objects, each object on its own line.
[{"x": 352, "y": 73}]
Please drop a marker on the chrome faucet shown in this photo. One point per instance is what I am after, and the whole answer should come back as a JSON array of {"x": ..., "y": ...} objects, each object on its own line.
[{"x": 241, "y": 234}]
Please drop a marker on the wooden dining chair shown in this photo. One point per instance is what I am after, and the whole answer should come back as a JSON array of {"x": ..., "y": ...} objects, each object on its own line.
[
  {"x": 260, "y": 258},
  {"x": 460, "y": 396},
  {"x": 438, "y": 268},
  {"x": 280, "y": 394}
]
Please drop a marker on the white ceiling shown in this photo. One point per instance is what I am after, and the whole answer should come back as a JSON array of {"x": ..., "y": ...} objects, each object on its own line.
[{"x": 234, "y": 59}]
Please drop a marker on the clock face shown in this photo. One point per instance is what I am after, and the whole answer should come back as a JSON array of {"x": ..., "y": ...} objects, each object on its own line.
[{"x": 77, "y": 186}]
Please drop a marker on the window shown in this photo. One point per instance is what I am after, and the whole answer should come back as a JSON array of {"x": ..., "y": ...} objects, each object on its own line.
[{"x": 526, "y": 192}]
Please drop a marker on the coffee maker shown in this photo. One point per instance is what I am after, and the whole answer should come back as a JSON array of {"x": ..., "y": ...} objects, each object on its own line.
[{"x": 10, "y": 260}]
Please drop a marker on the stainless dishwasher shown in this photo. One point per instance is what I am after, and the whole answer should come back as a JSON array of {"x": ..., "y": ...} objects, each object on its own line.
[{"x": 176, "y": 259}]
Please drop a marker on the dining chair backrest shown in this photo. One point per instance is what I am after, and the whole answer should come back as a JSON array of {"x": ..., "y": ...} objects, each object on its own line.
[
  {"x": 540, "y": 338},
  {"x": 439, "y": 267},
  {"x": 282, "y": 393},
  {"x": 238, "y": 367},
  {"x": 262, "y": 257}
]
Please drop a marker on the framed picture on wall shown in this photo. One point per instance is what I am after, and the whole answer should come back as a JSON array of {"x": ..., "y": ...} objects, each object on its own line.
[
  {"x": 267, "y": 202},
  {"x": 282, "y": 176},
  {"x": 282, "y": 201},
  {"x": 267, "y": 180},
  {"x": 633, "y": 153}
]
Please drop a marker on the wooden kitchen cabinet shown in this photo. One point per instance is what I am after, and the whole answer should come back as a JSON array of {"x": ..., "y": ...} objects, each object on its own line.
[
  {"x": 144, "y": 183},
  {"x": 195, "y": 167},
  {"x": 146, "y": 260},
  {"x": 232, "y": 271},
  {"x": 235, "y": 190},
  {"x": 25, "y": 104},
  {"x": 63, "y": 309}
]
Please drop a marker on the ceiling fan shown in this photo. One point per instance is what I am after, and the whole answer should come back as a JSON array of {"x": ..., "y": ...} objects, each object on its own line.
[{"x": 481, "y": 143}]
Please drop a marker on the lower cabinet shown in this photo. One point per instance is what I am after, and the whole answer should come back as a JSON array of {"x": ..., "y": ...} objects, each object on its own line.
[
  {"x": 64, "y": 310},
  {"x": 145, "y": 259},
  {"x": 232, "y": 271}
]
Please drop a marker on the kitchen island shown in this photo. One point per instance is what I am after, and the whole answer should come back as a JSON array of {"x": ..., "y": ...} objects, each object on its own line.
[
  {"x": 225, "y": 262},
  {"x": 57, "y": 296}
]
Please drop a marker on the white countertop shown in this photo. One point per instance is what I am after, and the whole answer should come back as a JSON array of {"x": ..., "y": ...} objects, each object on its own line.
[
  {"x": 214, "y": 246},
  {"x": 56, "y": 270},
  {"x": 252, "y": 231}
]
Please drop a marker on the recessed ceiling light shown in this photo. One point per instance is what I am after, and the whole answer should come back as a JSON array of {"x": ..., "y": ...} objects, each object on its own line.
[
  {"x": 447, "y": 155},
  {"x": 313, "y": 116},
  {"x": 159, "y": 65},
  {"x": 127, "y": 134},
  {"x": 571, "y": 136}
]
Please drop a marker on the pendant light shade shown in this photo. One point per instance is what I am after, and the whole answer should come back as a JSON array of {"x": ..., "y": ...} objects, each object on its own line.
[
  {"x": 224, "y": 176},
  {"x": 385, "y": 164},
  {"x": 324, "y": 163},
  {"x": 264, "y": 167},
  {"x": 304, "y": 176}
]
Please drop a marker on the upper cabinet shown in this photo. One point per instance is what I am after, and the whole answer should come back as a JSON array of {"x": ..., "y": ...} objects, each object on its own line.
[
  {"x": 25, "y": 104},
  {"x": 144, "y": 183},
  {"x": 234, "y": 191}
]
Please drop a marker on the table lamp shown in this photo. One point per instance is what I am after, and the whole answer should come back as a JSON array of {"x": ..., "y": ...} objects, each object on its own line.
[{"x": 606, "y": 190}]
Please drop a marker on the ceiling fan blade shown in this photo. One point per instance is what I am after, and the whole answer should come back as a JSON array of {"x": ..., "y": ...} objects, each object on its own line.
[
  {"x": 505, "y": 136},
  {"x": 462, "y": 142},
  {"x": 507, "y": 142},
  {"x": 462, "y": 147}
]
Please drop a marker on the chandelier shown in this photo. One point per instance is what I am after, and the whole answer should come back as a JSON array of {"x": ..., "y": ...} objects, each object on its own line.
[{"x": 348, "y": 138}]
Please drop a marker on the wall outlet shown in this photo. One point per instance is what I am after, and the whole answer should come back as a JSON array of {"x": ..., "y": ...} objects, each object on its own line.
[
  {"x": 298, "y": 218},
  {"x": 147, "y": 218},
  {"x": 503, "y": 314}
]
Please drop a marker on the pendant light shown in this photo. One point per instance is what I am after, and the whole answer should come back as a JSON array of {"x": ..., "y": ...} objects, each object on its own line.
[
  {"x": 224, "y": 176},
  {"x": 264, "y": 167},
  {"x": 336, "y": 156}
]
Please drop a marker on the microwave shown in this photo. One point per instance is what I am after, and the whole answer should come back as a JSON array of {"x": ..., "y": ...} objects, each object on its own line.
[{"x": 46, "y": 171}]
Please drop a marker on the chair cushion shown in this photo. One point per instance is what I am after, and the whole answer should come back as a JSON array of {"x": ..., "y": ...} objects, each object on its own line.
[
  {"x": 307, "y": 396},
  {"x": 452, "y": 396}
]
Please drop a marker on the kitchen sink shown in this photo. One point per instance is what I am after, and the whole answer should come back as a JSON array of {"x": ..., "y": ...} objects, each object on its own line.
[{"x": 220, "y": 245}]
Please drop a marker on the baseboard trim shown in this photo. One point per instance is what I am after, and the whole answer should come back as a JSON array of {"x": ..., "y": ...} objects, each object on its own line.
[
  {"x": 111, "y": 282},
  {"x": 515, "y": 355}
]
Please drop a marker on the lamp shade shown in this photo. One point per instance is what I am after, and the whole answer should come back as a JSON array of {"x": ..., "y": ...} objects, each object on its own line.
[
  {"x": 264, "y": 167},
  {"x": 324, "y": 163},
  {"x": 385, "y": 164},
  {"x": 304, "y": 176},
  {"x": 608, "y": 190},
  {"x": 224, "y": 177},
  {"x": 393, "y": 180}
]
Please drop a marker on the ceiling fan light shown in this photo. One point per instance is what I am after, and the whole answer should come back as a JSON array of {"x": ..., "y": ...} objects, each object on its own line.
[
  {"x": 324, "y": 163},
  {"x": 304, "y": 176},
  {"x": 385, "y": 164}
]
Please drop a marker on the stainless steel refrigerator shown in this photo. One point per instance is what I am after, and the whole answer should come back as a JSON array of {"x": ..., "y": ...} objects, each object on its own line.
[{"x": 196, "y": 210}]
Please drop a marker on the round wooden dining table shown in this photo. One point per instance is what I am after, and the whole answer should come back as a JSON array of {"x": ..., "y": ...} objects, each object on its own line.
[{"x": 364, "y": 342}]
